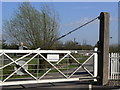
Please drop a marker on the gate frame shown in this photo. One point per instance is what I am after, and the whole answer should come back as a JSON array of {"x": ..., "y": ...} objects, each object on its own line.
[{"x": 66, "y": 79}]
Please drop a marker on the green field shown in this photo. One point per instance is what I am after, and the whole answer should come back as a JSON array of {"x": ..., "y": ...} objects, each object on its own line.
[{"x": 65, "y": 64}]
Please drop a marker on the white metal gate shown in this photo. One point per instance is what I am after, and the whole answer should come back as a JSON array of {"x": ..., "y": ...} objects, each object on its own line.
[
  {"x": 114, "y": 66},
  {"x": 44, "y": 66}
]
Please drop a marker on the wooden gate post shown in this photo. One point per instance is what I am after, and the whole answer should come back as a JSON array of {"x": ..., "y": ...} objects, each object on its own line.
[{"x": 103, "y": 48}]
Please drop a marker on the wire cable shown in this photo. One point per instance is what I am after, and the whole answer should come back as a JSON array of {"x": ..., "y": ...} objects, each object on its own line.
[
  {"x": 51, "y": 43},
  {"x": 76, "y": 29}
]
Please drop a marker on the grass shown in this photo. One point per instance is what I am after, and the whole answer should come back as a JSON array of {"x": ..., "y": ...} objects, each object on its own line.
[{"x": 35, "y": 61}]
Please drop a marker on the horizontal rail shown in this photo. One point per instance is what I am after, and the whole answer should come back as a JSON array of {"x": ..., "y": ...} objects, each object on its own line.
[
  {"x": 47, "y": 51},
  {"x": 34, "y": 51},
  {"x": 38, "y": 81}
]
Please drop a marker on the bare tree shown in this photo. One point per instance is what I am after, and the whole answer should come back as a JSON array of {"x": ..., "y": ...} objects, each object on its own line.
[{"x": 34, "y": 28}]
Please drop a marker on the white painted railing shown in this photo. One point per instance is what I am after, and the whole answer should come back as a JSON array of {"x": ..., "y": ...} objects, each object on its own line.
[
  {"x": 114, "y": 66},
  {"x": 56, "y": 71}
]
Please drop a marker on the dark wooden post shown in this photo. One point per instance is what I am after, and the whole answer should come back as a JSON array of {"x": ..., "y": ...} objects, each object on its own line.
[{"x": 103, "y": 48}]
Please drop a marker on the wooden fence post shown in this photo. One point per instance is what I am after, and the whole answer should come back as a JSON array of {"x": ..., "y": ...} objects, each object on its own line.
[{"x": 103, "y": 48}]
